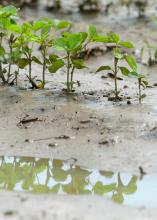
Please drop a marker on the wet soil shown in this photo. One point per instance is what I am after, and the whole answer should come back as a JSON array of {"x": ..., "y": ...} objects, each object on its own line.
[{"x": 85, "y": 126}]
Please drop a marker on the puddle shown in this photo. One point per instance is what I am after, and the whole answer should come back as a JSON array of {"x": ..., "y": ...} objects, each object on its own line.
[{"x": 38, "y": 175}]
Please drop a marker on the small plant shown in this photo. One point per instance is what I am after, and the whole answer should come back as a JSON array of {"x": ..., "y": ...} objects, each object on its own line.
[
  {"x": 45, "y": 39},
  {"x": 8, "y": 17},
  {"x": 25, "y": 42},
  {"x": 118, "y": 56},
  {"x": 141, "y": 80},
  {"x": 72, "y": 45}
]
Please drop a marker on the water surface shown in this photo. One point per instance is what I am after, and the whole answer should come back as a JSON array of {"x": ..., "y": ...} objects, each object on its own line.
[{"x": 37, "y": 175}]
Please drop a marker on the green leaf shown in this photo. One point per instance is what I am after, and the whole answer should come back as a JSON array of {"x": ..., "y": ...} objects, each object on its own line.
[
  {"x": 114, "y": 38},
  {"x": 102, "y": 68},
  {"x": 143, "y": 96},
  {"x": 131, "y": 62},
  {"x": 124, "y": 71},
  {"x": 69, "y": 42},
  {"x": 100, "y": 39},
  {"x": 126, "y": 44},
  {"x": 60, "y": 24},
  {"x": 134, "y": 74},
  {"x": 56, "y": 66},
  {"x": 92, "y": 32},
  {"x": 100, "y": 189},
  {"x": 36, "y": 60},
  {"x": 23, "y": 63},
  {"x": 2, "y": 51},
  {"x": 117, "y": 53},
  {"x": 37, "y": 25},
  {"x": 78, "y": 63},
  {"x": 53, "y": 58},
  {"x": 118, "y": 198},
  {"x": 145, "y": 83}
]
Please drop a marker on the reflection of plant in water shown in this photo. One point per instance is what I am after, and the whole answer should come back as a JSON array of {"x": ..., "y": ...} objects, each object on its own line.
[
  {"x": 44, "y": 175},
  {"x": 121, "y": 189}
]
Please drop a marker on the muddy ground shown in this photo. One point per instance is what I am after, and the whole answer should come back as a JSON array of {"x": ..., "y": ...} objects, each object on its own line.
[{"x": 98, "y": 133}]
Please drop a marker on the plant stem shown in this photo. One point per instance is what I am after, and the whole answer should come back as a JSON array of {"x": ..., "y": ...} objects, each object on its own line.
[
  {"x": 10, "y": 64},
  {"x": 68, "y": 74},
  {"x": 1, "y": 74},
  {"x": 44, "y": 65},
  {"x": 115, "y": 77},
  {"x": 30, "y": 68},
  {"x": 17, "y": 75},
  {"x": 72, "y": 74},
  {"x": 139, "y": 92}
]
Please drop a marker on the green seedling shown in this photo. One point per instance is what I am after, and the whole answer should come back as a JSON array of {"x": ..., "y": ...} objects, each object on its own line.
[
  {"x": 72, "y": 45},
  {"x": 142, "y": 82},
  {"x": 8, "y": 17},
  {"x": 118, "y": 56},
  {"x": 25, "y": 42},
  {"x": 44, "y": 37}
]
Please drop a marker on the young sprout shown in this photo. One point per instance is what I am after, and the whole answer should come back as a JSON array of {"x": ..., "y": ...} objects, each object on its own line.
[
  {"x": 118, "y": 56},
  {"x": 25, "y": 42},
  {"x": 44, "y": 37},
  {"x": 8, "y": 16},
  {"x": 142, "y": 82},
  {"x": 72, "y": 45}
]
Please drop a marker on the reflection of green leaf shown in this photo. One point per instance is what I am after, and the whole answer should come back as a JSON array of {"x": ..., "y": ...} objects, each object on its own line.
[
  {"x": 108, "y": 174},
  {"x": 26, "y": 172},
  {"x": 132, "y": 187},
  {"x": 100, "y": 189},
  {"x": 58, "y": 173},
  {"x": 55, "y": 188},
  {"x": 118, "y": 198},
  {"x": 40, "y": 188}
]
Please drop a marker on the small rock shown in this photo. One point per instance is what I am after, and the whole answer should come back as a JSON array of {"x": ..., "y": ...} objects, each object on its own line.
[
  {"x": 53, "y": 145},
  {"x": 9, "y": 212},
  {"x": 85, "y": 121},
  {"x": 128, "y": 102}
]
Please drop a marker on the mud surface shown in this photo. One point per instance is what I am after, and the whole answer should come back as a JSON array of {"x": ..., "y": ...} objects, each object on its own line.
[{"x": 86, "y": 126}]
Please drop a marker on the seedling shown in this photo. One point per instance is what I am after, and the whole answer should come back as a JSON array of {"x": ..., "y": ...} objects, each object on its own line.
[
  {"x": 43, "y": 37},
  {"x": 118, "y": 56},
  {"x": 72, "y": 45},
  {"x": 142, "y": 82},
  {"x": 25, "y": 42},
  {"x": 8, "y": 16}
]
